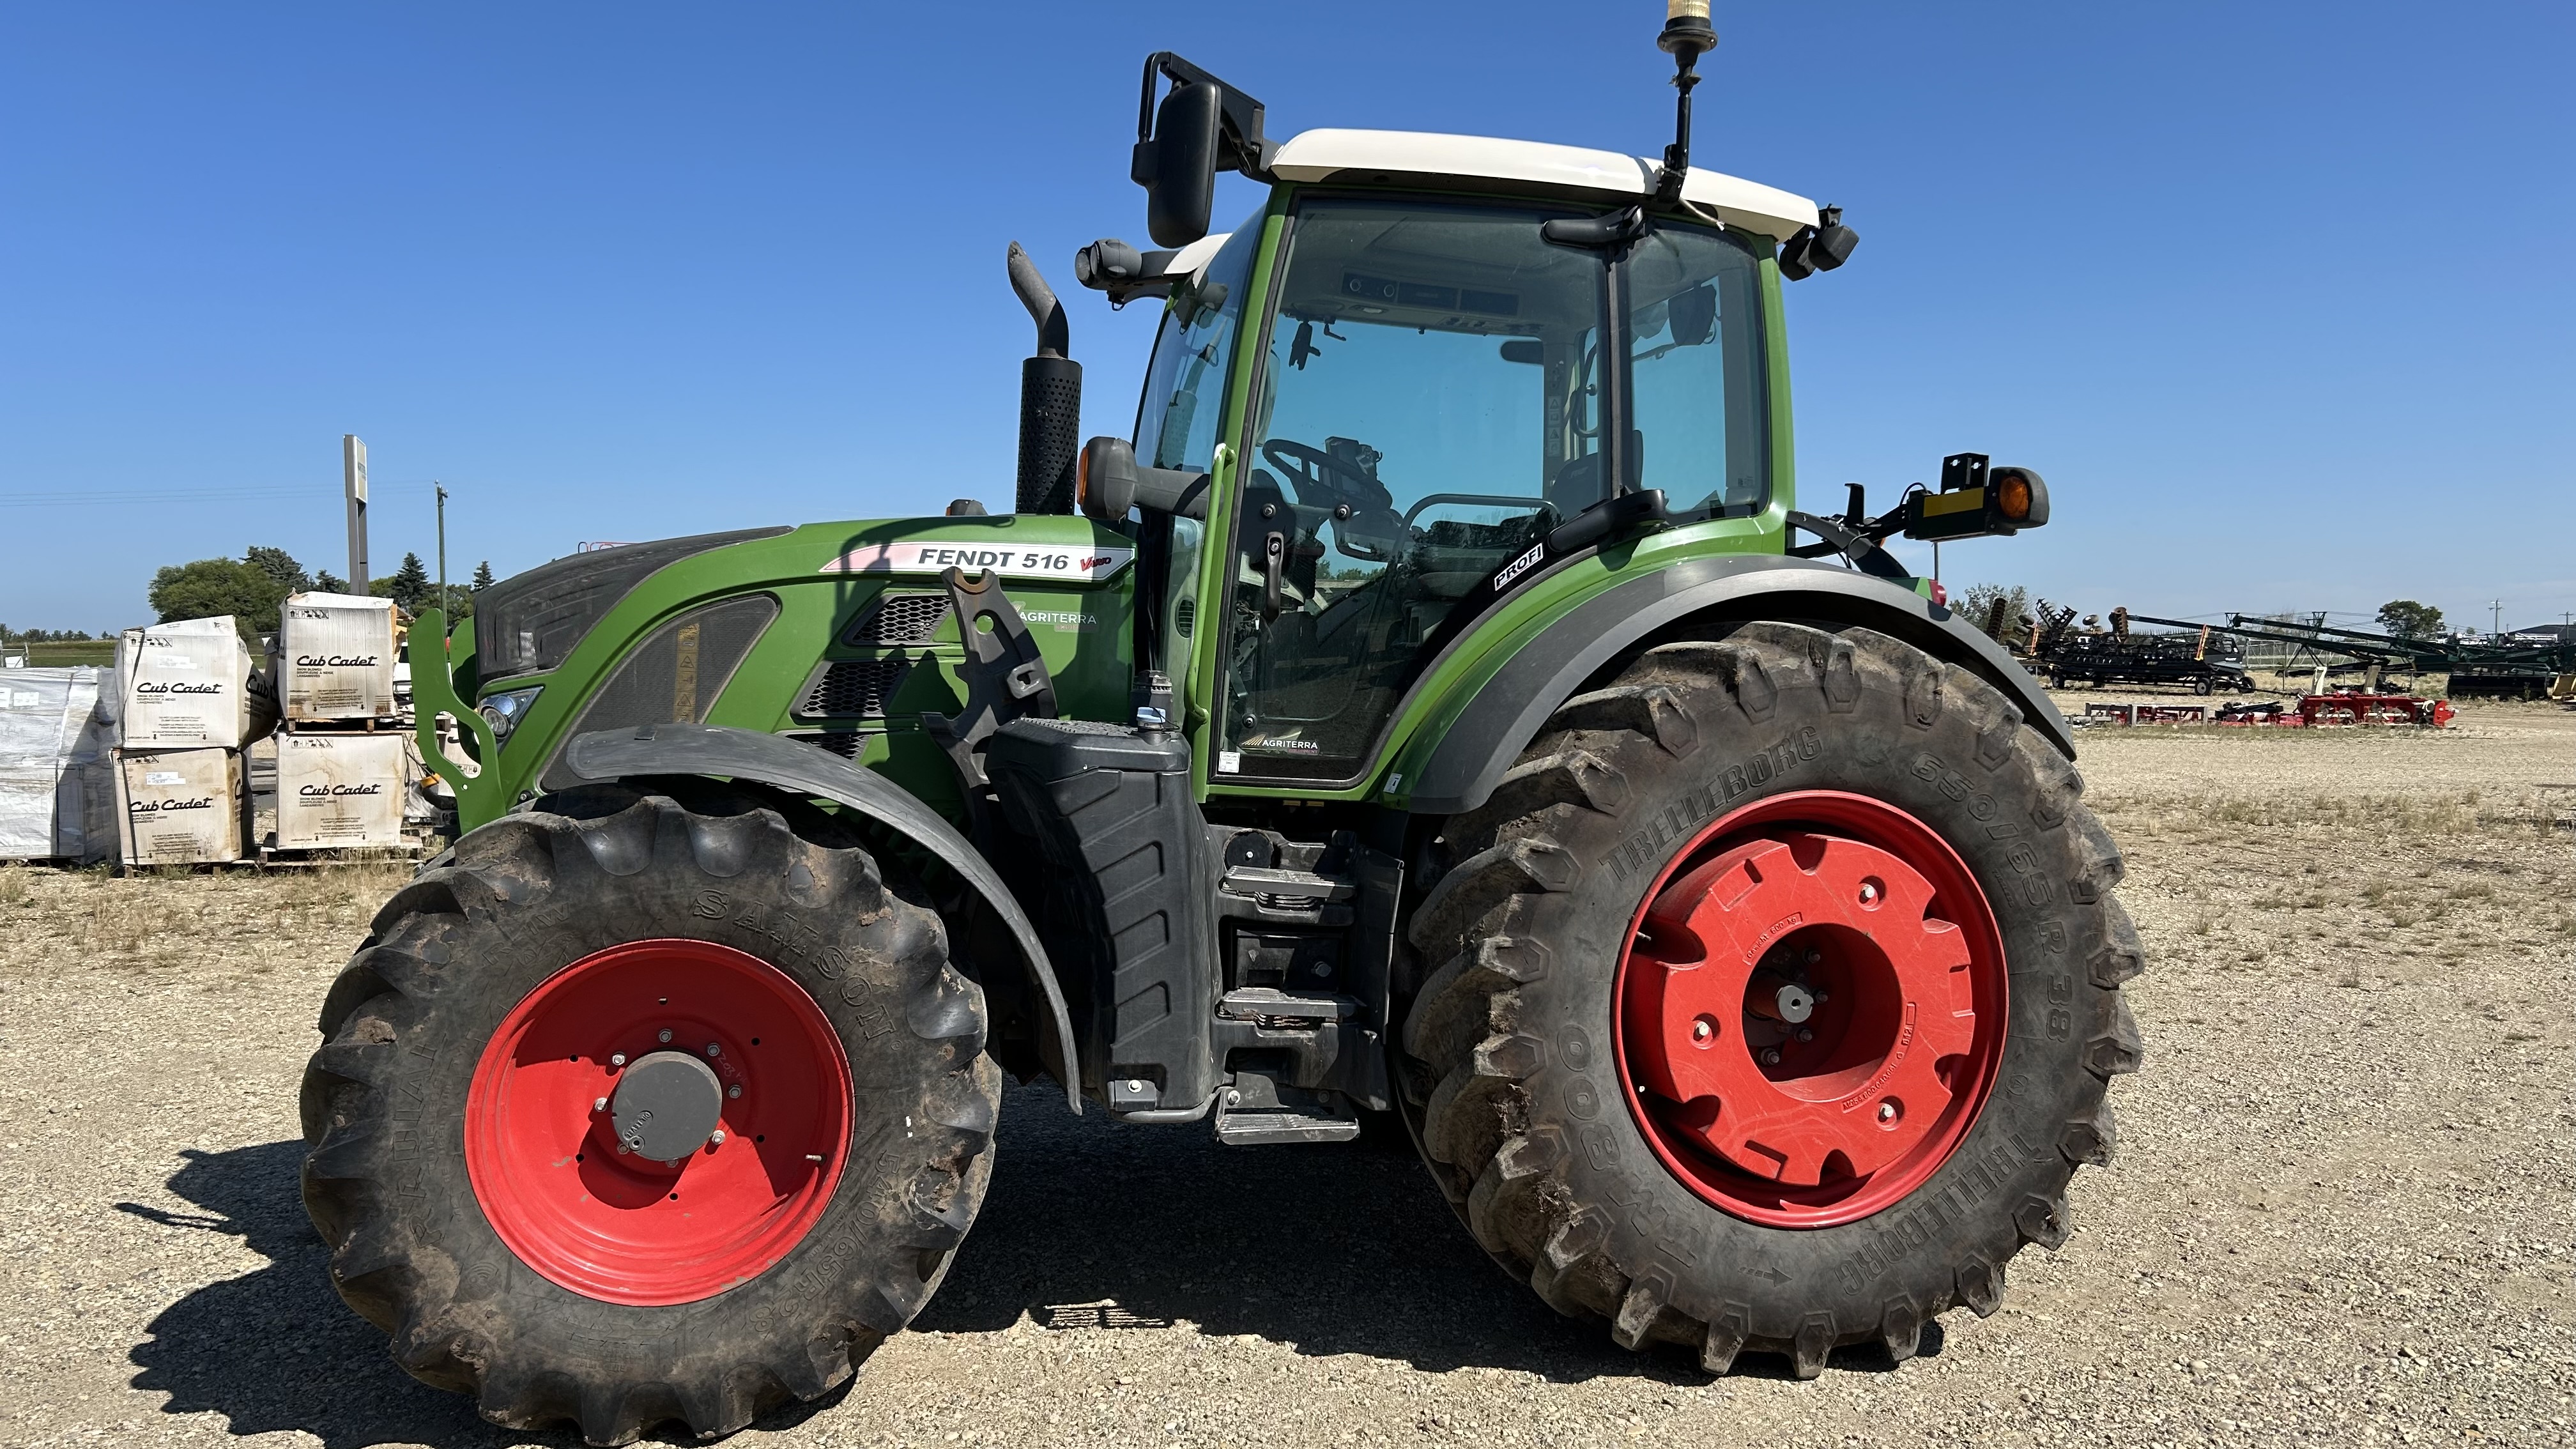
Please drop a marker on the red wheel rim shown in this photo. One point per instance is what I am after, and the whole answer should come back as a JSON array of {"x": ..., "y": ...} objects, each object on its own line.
[
  {"x": 544, "y": 1160},
  {"x": 1858, "y": 907}
]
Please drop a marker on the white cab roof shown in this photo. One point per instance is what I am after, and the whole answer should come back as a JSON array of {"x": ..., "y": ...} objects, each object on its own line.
[{"x": 1365, "y": 155}]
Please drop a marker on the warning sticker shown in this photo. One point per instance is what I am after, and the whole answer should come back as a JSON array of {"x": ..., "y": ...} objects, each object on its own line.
[{"x": 1068, "y": 565}]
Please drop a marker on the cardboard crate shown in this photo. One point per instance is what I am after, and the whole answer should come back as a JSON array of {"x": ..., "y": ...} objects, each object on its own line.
[
  {"x": 56, "y": 797},
  {"x": 183, "y": 685},
  {"x": 336, "y": 790},
  {"x": 180, "y": 807},
  {"x": 336, "y": 658}
]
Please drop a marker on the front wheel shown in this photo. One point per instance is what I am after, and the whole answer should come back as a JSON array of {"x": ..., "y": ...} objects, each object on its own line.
[
  {"x": 643, "y": 1110},
  {"x": 1781, "y": 991}
]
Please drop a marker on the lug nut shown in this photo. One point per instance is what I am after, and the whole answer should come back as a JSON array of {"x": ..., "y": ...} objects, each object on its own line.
[
  {"x": 1770, "y": 1056},
  {"x": 599, "y": 1104},
  {"x": 1806, "y": 1033},
  {"x": 716, "y": 1138},
  {"x": 617, "y": 1059},
  {"x": 734, "y": 1091},
  {"x": 621, "y": 1149},
  {"x": 1887, "y": 1111},
  {"x": 1702, "y": 1030},
  {"x": 666, "y": 1034},
  {"x": 714, "y": 1050},
  {"x": 1869, "y": 893}
]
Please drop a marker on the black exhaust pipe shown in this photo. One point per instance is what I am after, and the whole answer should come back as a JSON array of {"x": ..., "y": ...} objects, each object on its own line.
[{"x": 1050, "y": 397}]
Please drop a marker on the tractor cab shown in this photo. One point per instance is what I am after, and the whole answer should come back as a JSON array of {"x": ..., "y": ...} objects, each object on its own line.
[{"x": 1425, "y": 370}]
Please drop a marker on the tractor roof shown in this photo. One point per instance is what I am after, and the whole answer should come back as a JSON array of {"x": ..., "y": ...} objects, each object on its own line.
[{"x": 1385, "y": 155}]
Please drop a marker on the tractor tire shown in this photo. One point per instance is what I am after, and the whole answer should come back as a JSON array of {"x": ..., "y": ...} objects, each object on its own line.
[
  {"x": 1584, "y": 1065},
  {"x": 509, "y": 1118}
]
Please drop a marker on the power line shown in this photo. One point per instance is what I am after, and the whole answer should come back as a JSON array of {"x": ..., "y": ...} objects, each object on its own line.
[{"x": 130, "y": 497}]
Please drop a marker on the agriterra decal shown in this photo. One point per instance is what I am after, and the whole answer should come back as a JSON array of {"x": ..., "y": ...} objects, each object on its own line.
[{"x": 1071, "y": 565}]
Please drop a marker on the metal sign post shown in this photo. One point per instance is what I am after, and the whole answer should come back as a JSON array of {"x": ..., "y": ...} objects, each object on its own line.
[
  {"x": 353, "y": 470},
  {"x": 442, "y": 548}
]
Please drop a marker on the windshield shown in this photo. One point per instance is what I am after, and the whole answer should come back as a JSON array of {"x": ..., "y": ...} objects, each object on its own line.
[
  {"x": 1185, "y": 384},
  {"x": 1428, "y": 408}
]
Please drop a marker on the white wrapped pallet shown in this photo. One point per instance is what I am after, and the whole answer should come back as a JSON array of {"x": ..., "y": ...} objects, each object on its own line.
[
  {"x": 47, "y": 716},
  {"x": 183, "y": 685},
  {"x": 180, "y": 807},
  {"x": 339, "y": 790},
  {"x": 336, "y": 658}
]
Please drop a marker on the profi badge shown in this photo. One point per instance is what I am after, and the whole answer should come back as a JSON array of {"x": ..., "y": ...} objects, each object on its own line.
[{"x": 1015, "y": 561}]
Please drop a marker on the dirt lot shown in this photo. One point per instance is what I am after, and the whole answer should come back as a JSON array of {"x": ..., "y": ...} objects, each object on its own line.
[{"x": 2341, "y": 1212}]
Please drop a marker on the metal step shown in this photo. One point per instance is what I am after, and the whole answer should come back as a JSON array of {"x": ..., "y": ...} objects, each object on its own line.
[
  {"x": 1255, "y": 1110},
  {"x": 1273, "y": 1007}
]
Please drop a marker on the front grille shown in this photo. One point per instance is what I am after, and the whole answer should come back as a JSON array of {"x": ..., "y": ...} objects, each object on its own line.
[
  {"x": 675, "y": 675},
  {"x": 900, "y": 619},
  {"x": 532, "y": 621},
  {"x": 853, "y": 688}
]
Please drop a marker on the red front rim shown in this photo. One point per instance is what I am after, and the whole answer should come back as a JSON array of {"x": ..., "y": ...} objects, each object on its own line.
[
  {"x": 544, "y": 1158},
  {"x": 1811, "y": 1009}
]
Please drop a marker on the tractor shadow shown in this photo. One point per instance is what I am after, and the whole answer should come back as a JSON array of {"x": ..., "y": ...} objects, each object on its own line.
[
  {"x": 1090, "y": 1224},
  {"x": 275, "y": 1349}
]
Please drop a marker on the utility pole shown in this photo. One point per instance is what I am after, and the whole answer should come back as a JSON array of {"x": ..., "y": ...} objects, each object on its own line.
[
  {"x": 443, "y": 604},
  {"x": 353, "y": 473},
  {"x": 2498, "y": 606}
]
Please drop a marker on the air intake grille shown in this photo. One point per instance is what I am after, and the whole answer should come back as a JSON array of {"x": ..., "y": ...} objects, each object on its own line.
[
  {"x": 848, "y": 744},
  {"x": 901, "y": 619},
  {"x": 853, "y": 688}
]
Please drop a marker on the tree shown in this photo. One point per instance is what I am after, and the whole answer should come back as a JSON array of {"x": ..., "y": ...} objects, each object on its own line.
[
  {"x": 409, "y": 587},
  {"x": 483, "y": 576},
  {"x": 2408, "y": 619},
  {"x": 280, "y": 566},
  {"x": 1977, "y": 606},
  {"x": 212, "y": 586},
  {"x": 330, "y": 583}
]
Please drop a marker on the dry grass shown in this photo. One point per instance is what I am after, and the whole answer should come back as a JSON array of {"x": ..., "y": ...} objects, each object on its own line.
[{"x": 220, "y": 925}]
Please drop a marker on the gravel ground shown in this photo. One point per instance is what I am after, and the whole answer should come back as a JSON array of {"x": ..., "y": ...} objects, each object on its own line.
[{"x": 2341, "y": 1212}]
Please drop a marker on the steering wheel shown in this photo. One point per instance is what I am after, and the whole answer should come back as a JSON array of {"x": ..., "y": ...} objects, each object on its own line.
[
  {"x": 1333, "y": 480},
  {"x": 1365, "y": 523}
]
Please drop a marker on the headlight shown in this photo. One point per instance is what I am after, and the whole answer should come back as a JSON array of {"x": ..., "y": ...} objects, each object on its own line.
[{"x": 504, "y": 710}]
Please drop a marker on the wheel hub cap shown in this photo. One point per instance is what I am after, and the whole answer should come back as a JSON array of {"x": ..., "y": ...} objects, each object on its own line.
[
  {"x": 666, "y": 1104},
  {"x": 1811, "y": 1008}
]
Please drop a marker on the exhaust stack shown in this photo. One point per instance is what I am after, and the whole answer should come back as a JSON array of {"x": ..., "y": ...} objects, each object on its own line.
[{"x": 1050, "y": 397}]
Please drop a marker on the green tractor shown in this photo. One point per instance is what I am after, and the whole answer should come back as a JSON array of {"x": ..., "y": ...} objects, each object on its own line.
[{"x": 1438, "y": 714}]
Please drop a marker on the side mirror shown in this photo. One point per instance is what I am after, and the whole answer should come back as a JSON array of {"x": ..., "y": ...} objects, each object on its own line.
[
  {"x": 1177, "y": 167},
  {"x": 1108, "y": 482},
  {"x": 1104, "y": 485},
  {"x": 1694, "y": 315}
]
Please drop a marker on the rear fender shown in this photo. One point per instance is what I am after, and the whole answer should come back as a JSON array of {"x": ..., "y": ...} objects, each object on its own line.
[
  {"x": 801, "y": 769},
  {"x": 1506, "y": 712}
]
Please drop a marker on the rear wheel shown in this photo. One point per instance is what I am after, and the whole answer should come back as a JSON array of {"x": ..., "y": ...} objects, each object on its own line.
[
  {"x": 1774, "y": 996},
  {"x": 641, "y": 1110}
]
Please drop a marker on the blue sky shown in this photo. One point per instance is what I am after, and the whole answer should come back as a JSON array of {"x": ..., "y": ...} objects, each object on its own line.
[{"x": 2276, "y": 296}]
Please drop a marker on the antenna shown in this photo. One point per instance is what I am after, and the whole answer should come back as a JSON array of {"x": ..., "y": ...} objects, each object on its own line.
[{"x": 1686, "y": 38}]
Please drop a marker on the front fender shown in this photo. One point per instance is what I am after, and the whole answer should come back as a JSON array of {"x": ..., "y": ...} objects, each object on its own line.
[
  {"x": 1489, "y": 731},
  {"x": 738, "y": 754}
]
